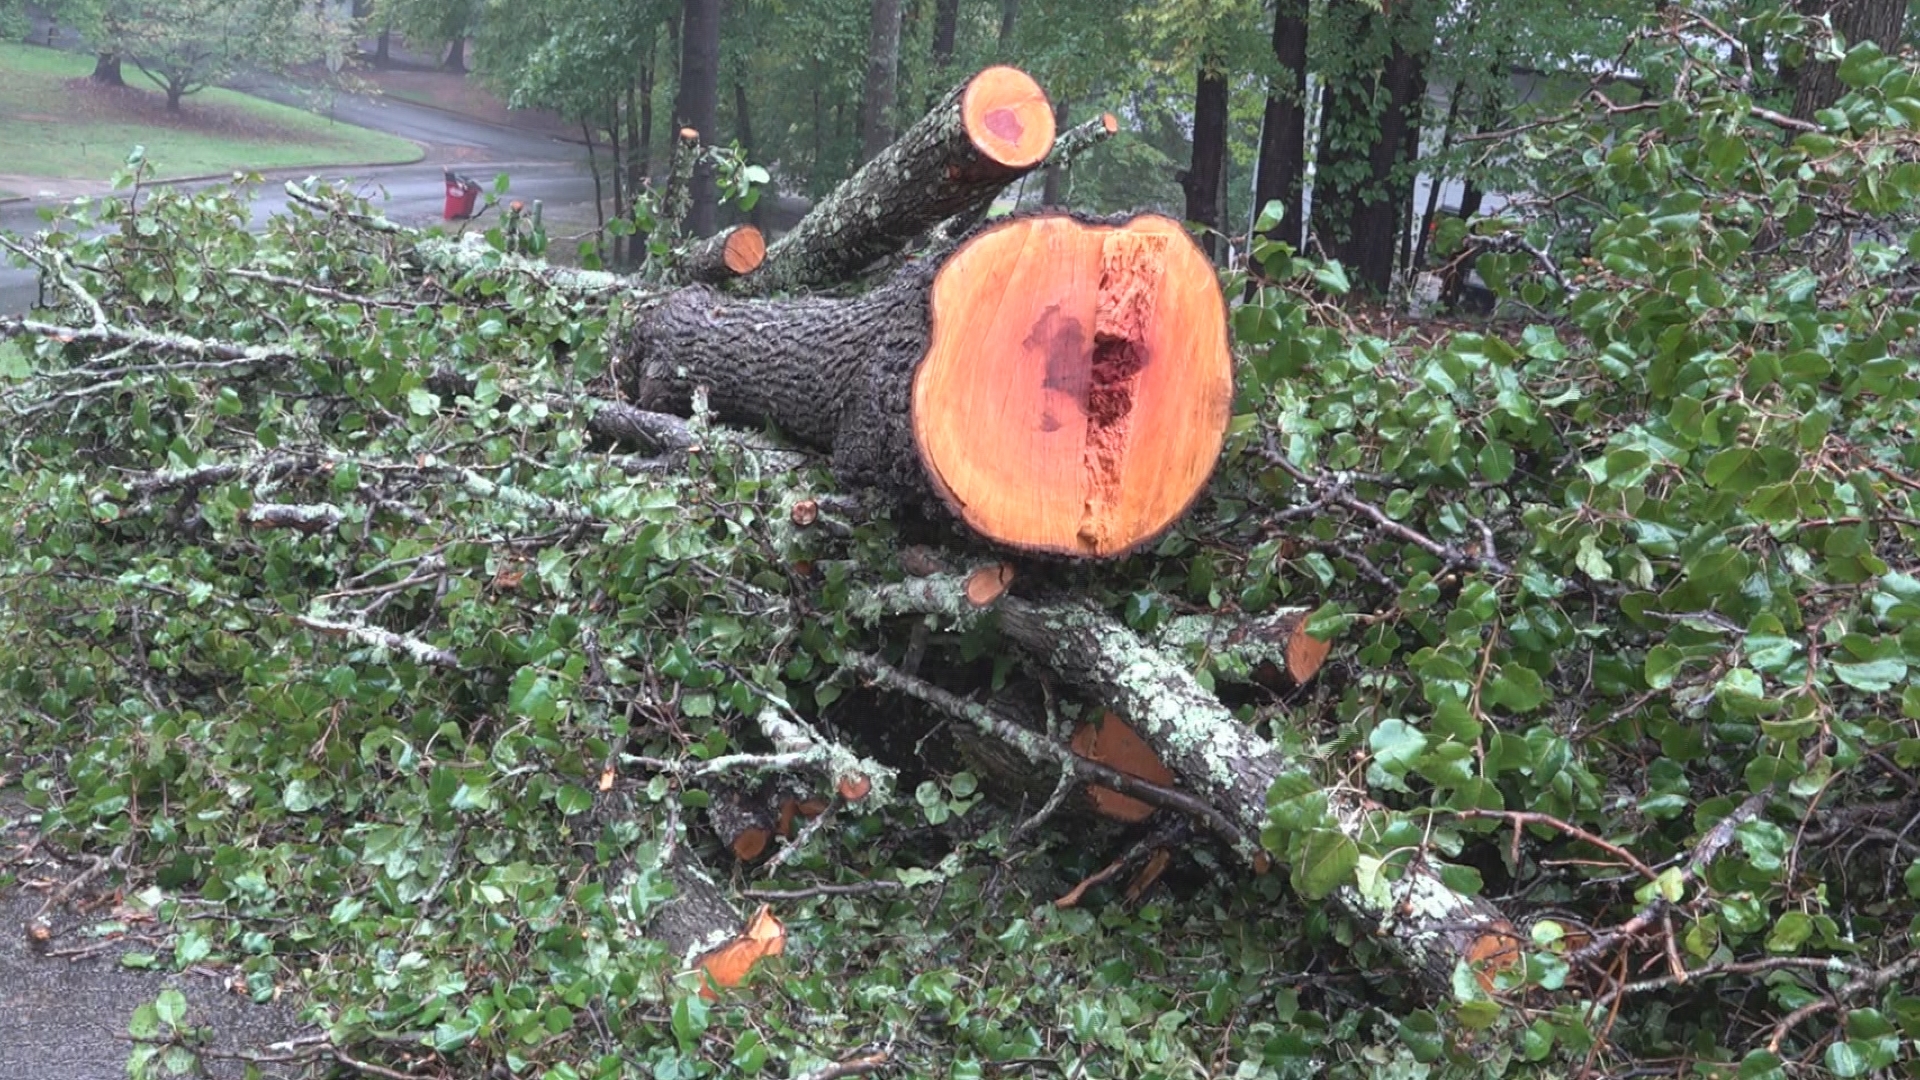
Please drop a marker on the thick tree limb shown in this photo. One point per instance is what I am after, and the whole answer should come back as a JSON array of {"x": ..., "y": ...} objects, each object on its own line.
[
  {"x": 981, "y": 136},
  {"x": 1428, "y": 924}
]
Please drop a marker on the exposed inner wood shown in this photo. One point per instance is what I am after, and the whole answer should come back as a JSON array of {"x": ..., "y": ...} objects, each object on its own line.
[
  {"x": 746, "y": 249},
  {"x": 1109, "y": 741},
  {"x": 988, "y": 583},
  {"x": 1076, "y": 390},
  {"x": 1110, "y": 122},
  {"x": 1492, "y": 953},
  {"x": 1008, "y": 117},
  {"x": 1305, "y": 654},
  {"x": 728, "y": 965}
]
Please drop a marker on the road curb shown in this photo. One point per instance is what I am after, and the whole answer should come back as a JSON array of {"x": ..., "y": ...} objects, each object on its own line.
[
  {"x": 289, "y": 172},
  {"x": 470, "y": 118}
]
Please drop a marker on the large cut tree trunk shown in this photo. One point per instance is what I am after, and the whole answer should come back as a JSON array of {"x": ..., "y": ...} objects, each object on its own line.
[
  {"x": 986, "y": 133},
  {"x": 1282, "y": 169},
  {"x": 1816, "y": 86},
  {"x": 1208, "y": 168},
  {"x": 698, "y": 106},
  {"x": 883, "y": 67},
  {"x": 1057, "y": 385}
]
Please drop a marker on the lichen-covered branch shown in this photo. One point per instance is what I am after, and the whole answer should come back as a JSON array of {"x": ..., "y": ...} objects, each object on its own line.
[{"x": 1431, "y": 926}]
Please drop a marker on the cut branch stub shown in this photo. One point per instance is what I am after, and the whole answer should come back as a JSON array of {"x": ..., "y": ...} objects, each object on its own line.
[
  {"x": 980, "y": 137},
  {"x": 1076, "y": 389},
  {"x": 1109, "y": 741},
  {"x": 725, "y": 255}
]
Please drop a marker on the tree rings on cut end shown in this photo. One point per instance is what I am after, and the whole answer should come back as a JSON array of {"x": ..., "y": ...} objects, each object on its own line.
[
  {"x": 746, "y": 249},
  {"x": 1008, "y": 117},
  {"x": 1077, "y": 386}
]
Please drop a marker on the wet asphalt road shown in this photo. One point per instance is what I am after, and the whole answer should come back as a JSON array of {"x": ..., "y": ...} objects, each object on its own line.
[{"x": 538, "y": 167}]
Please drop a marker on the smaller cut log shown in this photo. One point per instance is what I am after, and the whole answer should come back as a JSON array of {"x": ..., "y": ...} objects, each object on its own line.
[
  {"x": 747, "y": 818},
  {"x": 1273, "y": 650},
  {"x": 989, "y": 131},
  {"x": 725, "y": 255}
]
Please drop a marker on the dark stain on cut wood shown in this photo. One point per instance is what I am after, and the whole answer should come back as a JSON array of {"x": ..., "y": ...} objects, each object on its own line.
[
  {"x": 1064, "y": 341},
  {"x": 1005, "y": 124}
]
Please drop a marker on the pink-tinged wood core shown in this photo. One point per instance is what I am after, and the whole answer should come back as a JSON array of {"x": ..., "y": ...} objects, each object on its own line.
[
  {"x": 1008, "y": 117},
  {"x": 1076, "y": 390}
]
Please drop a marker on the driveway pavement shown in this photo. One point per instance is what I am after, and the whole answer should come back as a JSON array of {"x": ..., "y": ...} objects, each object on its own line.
[{"x": 539, "y": 167}]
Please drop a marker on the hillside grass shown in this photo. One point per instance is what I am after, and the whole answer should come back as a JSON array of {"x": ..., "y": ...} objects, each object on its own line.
[{"x": 56, "y": 125}]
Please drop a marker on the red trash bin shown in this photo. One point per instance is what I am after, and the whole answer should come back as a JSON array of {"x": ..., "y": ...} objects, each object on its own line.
[{"x": 462, "y": 194}]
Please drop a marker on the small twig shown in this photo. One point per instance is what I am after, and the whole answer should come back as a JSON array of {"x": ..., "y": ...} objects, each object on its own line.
[
  {"x": 862, "y": 888},
  {"x": 856, "y": 1066}
]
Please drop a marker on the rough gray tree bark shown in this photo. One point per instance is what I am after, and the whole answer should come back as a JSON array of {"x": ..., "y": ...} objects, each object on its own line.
[{"x": 883, "y": 68}]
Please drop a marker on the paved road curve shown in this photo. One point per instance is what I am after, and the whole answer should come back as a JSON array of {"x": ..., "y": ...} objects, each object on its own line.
[{"x": 539, "y": 167}]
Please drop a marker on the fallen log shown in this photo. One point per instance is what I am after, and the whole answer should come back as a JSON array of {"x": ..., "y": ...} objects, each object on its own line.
[
  {"x": 986, "y": 133},
  {"x": 1059, "y": 385},
  {"x": 1432, "y": 927}
]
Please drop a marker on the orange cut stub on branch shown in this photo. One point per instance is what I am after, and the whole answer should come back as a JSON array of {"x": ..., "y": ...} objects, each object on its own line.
[
  {"x": 1076, "y": 389},
  {"x": 727, "y": 966},
  {"x": 1111, "y": 742}
]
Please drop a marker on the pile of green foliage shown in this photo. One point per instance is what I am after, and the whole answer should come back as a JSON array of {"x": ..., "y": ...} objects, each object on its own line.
[{"x": 1636, "y": 563}]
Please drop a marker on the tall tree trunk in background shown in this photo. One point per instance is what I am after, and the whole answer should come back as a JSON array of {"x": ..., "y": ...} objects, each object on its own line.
[
  {"x": 648, "y": 70},
  {"x": 383, "y": 49},
  {"x": 946, "y": 26},
  {"x": 457, "y": 55},
  {"x": 1816, "y": 86},
  {"x": 743, "y": 131},
  {"x": 593, "y": 166},
  {"x": 1281, "y": 173},
  {"x": 636, "y": 157},
  {"x": 1009, "y": 9},
  {"x": 106, "y": 69},
  {"x": 883, "y": 67},
  {"x": 1367, "y": 110},
  {"x": 699, "y": 104},
  {"x": 1204, "y": 174},
  {"x": 620, "y": 165}
]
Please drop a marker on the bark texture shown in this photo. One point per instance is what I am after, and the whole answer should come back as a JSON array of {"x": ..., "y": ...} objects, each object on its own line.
[
  {"x": 1817, "y": 86},
  {"x": 832, "y": 374},
  {"x": 1282, "y": 166},
  {"x": 933, "y": 172}
]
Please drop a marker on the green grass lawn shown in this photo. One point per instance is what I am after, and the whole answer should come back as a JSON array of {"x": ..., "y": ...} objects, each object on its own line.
[{"x": 53, "y": 130}]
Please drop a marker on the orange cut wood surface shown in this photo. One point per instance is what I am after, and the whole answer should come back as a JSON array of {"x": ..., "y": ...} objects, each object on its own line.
[
  {"x": 728, "y": 965},
  {"x": 1008, "y": 117},
  {"x": 746, "y": 249},
  {"x": 1111, "y": 742},
  {"x": 1076, "y": 390}
]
